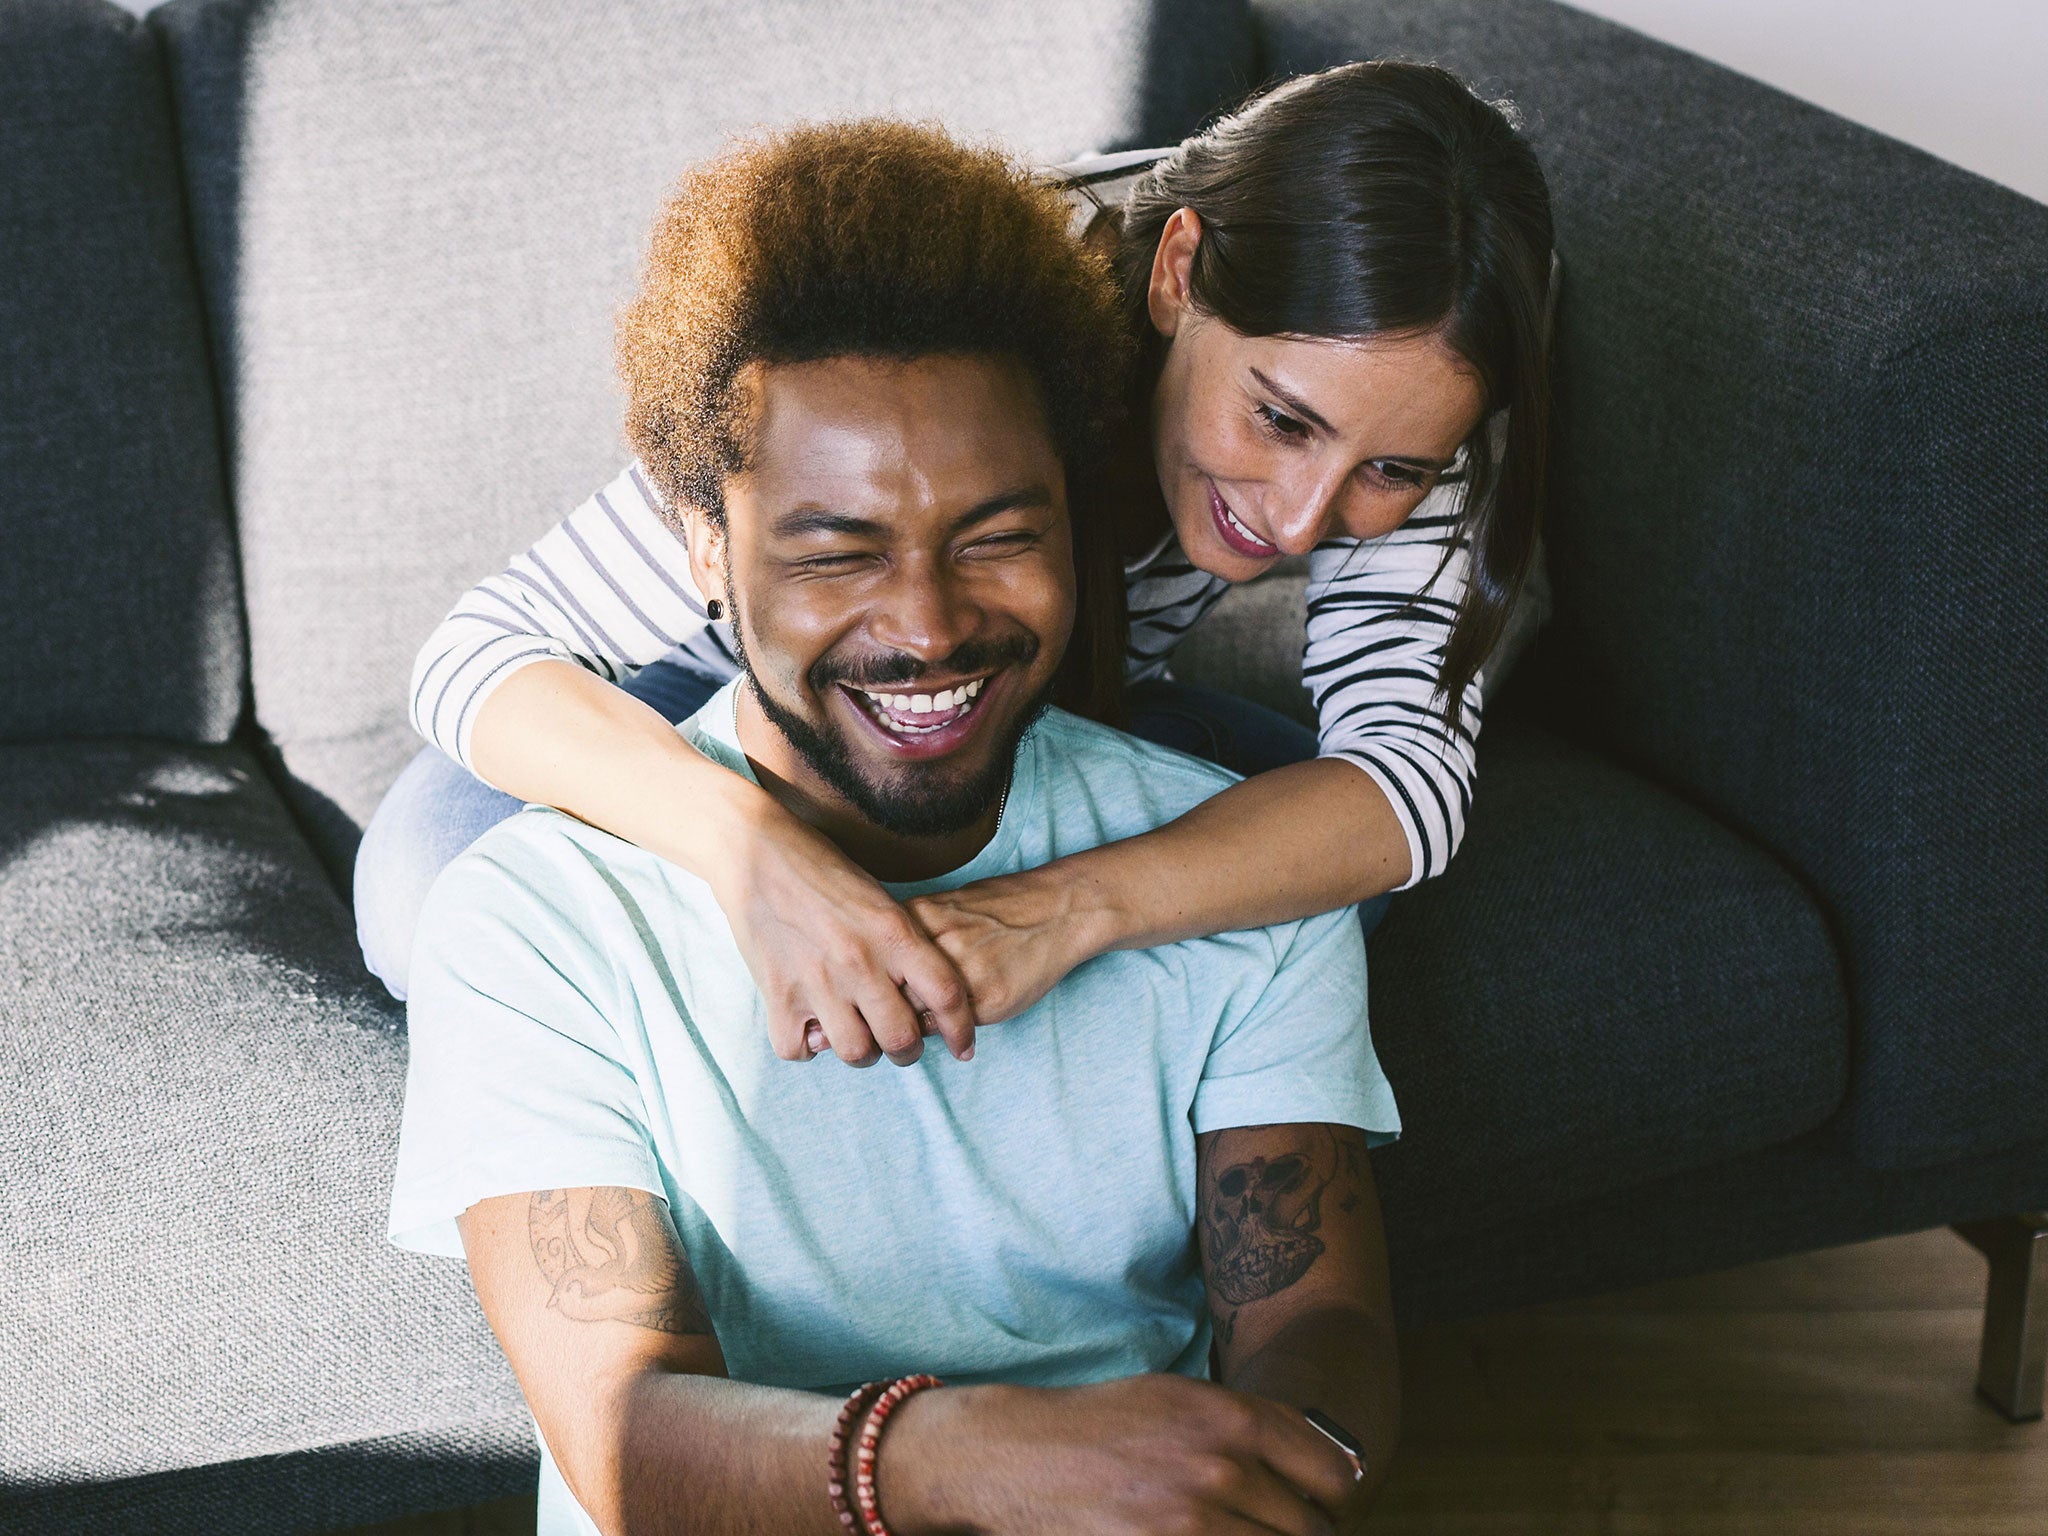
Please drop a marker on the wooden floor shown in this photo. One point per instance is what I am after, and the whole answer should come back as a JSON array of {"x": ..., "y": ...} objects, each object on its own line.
[{"x": 1825, "y": 1395}]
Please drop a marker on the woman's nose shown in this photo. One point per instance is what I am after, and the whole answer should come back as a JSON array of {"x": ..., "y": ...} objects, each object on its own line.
[{"x": 1307, "y": 513}]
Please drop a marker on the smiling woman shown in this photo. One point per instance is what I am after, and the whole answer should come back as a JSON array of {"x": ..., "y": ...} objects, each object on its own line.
[
  {"x": 1316, "y": 375},
  {"x": 1336, "y": 298}
]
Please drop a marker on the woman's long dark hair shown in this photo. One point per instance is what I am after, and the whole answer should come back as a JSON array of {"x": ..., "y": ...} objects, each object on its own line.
[{"x": 1372, "y": 198}]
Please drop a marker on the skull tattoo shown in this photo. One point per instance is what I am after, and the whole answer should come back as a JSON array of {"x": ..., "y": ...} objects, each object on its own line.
[{"x": 1261, "y": 1214}]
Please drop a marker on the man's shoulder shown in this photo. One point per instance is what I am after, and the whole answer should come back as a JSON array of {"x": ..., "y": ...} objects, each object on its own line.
[
  {"x": 1139, "y": 781},
  {"x": 535, "y": 862},
  {"x": 1137, "y": 785},
  {"x": 535, "y": 834}
]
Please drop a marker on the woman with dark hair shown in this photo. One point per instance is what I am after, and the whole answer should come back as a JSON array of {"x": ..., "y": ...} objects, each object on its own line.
[{"x": 1340, "y": 297}]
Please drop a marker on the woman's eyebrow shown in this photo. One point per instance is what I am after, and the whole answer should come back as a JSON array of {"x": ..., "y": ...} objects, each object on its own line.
[
  {"x": 1300, "y": 407},
  {"x": 1294, "y": 403}
]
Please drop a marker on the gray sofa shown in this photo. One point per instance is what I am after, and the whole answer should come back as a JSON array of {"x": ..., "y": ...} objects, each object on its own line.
[{"x": 304, "y": 322}]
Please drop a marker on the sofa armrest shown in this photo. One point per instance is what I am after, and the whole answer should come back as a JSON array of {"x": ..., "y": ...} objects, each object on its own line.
[{"x": 1800, "y": 535}]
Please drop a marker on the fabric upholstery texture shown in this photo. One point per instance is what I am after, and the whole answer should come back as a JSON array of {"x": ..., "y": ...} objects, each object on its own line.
[
  {"x": 202, "y": 1094},
  {"x": 118, "y": 606},
  {"x": 1809, "y": 1193},
  {"x": 1250, "y": 643},
  {"x": 327, "y": 1488},
  {"x": 1798, "y": 547},
  {"x": 1604, "y": 988},
  {"x": 415, "y": 226}
]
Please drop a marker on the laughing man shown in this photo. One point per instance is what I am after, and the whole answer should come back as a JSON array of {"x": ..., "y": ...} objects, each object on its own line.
[{"x": 869, "y": 363}]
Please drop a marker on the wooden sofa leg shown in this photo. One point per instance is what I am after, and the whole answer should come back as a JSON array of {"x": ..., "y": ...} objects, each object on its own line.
[{"x": 2015, "y": 1353}]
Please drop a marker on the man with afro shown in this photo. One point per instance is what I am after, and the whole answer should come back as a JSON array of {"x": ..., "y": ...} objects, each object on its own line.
[{"x": 1114, "y": 1265}]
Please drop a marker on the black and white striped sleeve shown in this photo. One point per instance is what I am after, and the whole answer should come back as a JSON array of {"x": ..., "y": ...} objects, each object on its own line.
[
  {"x": 1380, "y": 613},
  {"x": 608, "y": 588}
]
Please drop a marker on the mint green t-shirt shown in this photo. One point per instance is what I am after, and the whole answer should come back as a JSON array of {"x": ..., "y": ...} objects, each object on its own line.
[{"x": 580, "y": 1015}]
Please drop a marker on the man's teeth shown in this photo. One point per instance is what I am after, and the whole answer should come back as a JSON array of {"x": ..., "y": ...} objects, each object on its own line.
[{"x": 926, "y": 703}]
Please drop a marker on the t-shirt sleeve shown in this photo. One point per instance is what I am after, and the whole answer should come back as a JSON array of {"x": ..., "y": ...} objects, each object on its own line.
[
  {"x": 1302, "y": 1050},
  {"x": 516, "y": 1080}
]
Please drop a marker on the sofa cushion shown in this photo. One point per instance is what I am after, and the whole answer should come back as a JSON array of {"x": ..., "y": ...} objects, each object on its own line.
[
  {"x": 1605, "y": 987},
  {"x": 118, "y": 608},
  {"x": 416, "y": 225},
  {"x": 1250, "y": 643},
  {"x": 199, "y": 1105}
]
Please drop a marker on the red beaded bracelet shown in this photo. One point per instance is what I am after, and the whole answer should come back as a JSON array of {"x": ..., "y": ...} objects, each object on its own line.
[
  {"x": 837, "y": 1482},
  {"x": 864, "y": 1496}
]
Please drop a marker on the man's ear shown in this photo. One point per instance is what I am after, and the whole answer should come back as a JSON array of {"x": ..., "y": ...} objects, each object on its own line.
[
  {"x": 705, "y": 538},
  {"x": 1166, "y": 294}
]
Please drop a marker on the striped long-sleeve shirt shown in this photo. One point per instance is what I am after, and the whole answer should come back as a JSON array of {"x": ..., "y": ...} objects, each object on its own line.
[{"x": 609, "y": 589}]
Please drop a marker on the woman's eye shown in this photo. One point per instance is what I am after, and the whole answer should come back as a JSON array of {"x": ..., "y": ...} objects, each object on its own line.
[
  {"x": 1279, "y": 423},
  {"x": 1396, "y": 474}
]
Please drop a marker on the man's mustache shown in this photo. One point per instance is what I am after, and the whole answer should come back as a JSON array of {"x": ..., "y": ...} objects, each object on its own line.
[{"x": 896, "y": 669}]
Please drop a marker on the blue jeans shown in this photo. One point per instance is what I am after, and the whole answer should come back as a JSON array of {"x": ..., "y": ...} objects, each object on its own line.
[{"x": 436, "y": 808}]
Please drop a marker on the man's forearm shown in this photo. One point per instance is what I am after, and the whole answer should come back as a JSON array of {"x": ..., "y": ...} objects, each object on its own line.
[
  {"x": 1343, "y": 1361},
  {"x": 705, "y": 1456},
  {"x": 702, "y": 1456},
  {"x": 592, "y": 1296}
]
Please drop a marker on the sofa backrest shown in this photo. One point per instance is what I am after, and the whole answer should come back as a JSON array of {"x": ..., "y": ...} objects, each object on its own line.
[
  {"x": 118, "y": 607},
  {"x": 416, "y": 225}
]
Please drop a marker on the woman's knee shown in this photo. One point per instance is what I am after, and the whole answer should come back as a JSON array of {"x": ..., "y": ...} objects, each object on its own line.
[{"x": 434, "y": 810}]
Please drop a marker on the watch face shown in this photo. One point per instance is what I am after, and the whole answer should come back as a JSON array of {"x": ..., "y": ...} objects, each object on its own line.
[{"x": 1340, "y": 1437}]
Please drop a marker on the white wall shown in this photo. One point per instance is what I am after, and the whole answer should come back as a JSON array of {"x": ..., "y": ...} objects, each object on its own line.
[{"x": 1964, "y": 79}]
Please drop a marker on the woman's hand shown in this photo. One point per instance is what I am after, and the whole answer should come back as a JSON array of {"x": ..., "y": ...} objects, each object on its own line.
[
  {"x": 826, "y": 943},
  {"x": 1014, "y": 937}
]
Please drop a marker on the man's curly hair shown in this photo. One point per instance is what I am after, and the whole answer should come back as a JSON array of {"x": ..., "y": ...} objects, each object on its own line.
[{"x": 875, "y": 239}]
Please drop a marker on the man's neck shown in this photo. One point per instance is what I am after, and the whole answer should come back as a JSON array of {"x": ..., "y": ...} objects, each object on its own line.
[{"x": 885, "y": 855}]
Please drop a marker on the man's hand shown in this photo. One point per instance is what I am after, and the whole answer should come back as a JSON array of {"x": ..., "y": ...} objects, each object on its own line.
[
  {"x": 1143, "y": 1455},
  {"x": 1296, "y": 1264},
  {"x": 840, "y": 964}
]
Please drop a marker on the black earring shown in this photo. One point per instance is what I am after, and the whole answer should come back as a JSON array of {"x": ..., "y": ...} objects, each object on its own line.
[{"x": 714, "y": 610}]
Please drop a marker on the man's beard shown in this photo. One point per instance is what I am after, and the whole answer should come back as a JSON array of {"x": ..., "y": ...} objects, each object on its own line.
[{"x": 921, "y": 801}]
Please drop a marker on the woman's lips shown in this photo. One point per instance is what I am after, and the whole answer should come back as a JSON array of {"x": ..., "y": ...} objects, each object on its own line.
[
  {"x": 1234, "y": 533},
  {"x": 947, "y": 719}
]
